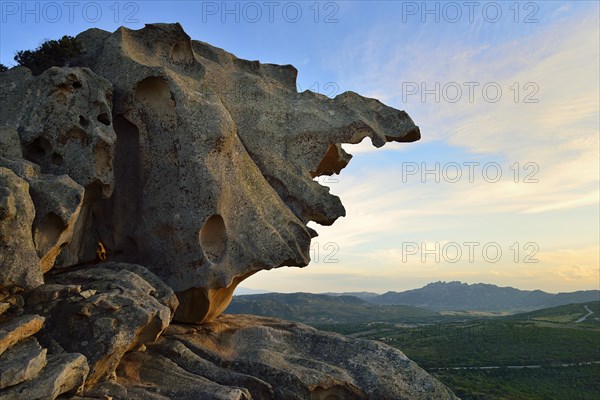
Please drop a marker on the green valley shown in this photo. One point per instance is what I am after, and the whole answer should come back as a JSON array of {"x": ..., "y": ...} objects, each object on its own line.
[{"x": 551, "y": 353}]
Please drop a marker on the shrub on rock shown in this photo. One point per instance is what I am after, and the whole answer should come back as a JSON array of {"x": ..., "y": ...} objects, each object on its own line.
[{"x": 51, "y": 53}]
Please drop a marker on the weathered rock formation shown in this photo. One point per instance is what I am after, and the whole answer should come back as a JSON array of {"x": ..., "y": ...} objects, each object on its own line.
[
  {"x": 141, "y": 187},
  {"x": 27, "y": 372},
  {"x": 18, "y": 258},
  {"x": 213, "y": 162},
  {"x": 102, "y": 313},
  {"x": 248, "y": 357}
]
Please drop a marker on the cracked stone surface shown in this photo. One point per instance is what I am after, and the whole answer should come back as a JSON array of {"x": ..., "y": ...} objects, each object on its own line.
[{"x": 243, "y": 356}]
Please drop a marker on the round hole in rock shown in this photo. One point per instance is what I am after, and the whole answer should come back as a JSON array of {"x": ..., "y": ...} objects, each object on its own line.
[
  {"x": 153, "y": 92},
  {"x": 37, "y": 149},
  {"x": 104, "y": 118},
  {"x": 83, "y": 121},
  {"x": 213, "y": 238}
]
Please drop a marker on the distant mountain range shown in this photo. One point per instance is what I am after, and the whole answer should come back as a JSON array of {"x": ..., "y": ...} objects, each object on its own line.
[
  {"x": 457, "y": 296},
  {"x": 242, "y": 291},
  {"x": 323, "y": 309}
]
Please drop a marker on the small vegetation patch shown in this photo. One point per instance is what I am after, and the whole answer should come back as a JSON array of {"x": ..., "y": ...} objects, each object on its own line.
[{"x": 51, "y": 53}]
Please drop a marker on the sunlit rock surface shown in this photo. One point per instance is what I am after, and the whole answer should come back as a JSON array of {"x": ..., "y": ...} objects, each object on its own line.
[
  {"x": 243, "y": 357},
  {"x": 142, "y": 186},
  {"x": 214, "y": 161}
]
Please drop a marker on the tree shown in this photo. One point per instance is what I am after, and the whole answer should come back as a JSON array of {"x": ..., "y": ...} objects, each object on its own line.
[
  {"x": 3, "y": 68},
  {"x": 51, "y": 53}
]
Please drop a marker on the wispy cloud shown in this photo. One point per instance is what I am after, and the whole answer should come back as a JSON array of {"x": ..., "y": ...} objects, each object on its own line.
[
  {"x": 557, "y": 67},
  {"x": 556, "y": 64}
]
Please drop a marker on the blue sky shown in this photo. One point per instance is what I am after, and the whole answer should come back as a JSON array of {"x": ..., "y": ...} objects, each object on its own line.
[{"x": 543, "y": 56}]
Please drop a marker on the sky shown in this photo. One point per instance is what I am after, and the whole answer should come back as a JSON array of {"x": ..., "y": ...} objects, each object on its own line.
[{"x": 504, "y": 185}]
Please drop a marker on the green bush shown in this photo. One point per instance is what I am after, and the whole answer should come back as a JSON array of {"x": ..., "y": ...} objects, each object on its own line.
[
  {"x": 51, "y": 53},
  {"x": 3, "y": 68}
]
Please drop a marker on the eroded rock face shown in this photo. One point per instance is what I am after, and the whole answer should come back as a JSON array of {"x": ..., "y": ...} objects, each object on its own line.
[
  {"x": 64, "y": 121},
  {"x": 211, "y": 159},
  {"x": 22, "y": 362},
  {"x": 201, "y": 170},
  {"x": 214, "y": 162},
  {"x": 64, "y": 374},
  {"x": 57, "y": 201},
  {"x": 63, "y": 117},
  {"x": 19, "y": 263},
  {"x": 102, "y": 313},
  {"x": 56, "y": 134},
  {"x": 18, "y": 329},
  {"x": 263, "y": 358},
  {"x": 26, "y": 372}
]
